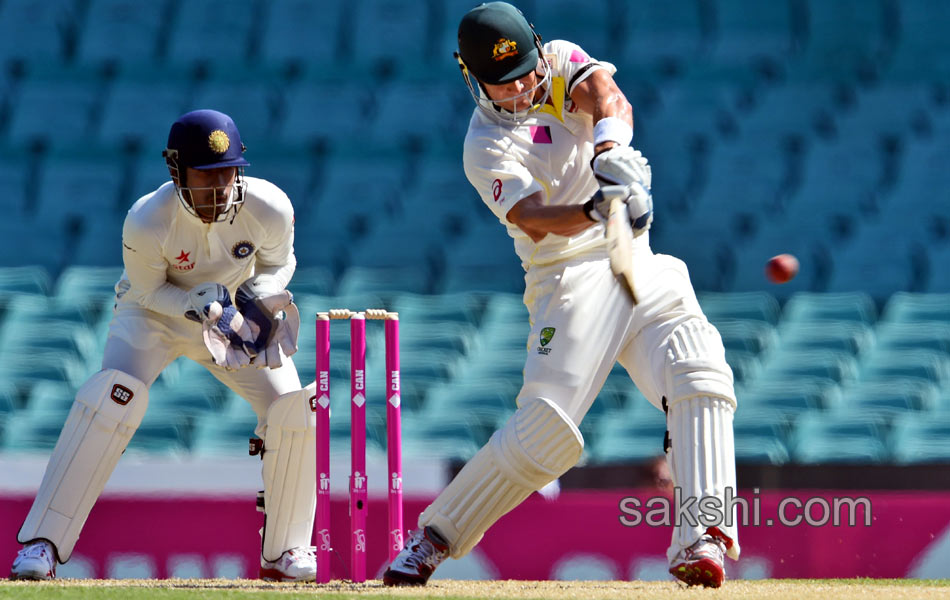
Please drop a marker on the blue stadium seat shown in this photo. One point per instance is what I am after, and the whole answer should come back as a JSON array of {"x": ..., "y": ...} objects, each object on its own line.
[
  {"x": 150, "y": 173},
  {"x": 749, "y": 31},
  {"x": 55, "y": 107},
  {"x": 160, "y": 434},
  {"x": 202, "y": 32},
  {"x": 100, "y": 242},
  {"x": 488, "y": 401},
  {"x": 924, "y": 50},
  {"x": 36, "y": 31},
  {"x": 787, "y": 398},
  {"x": 91, "y": 187},
  {"x": 124, "y": 31},
  {"x": 26, "y": 337},
  {"x": 359, "y": 280},
  {"x": 430, "y": 311},
  {"x": 345, "y": 114},
  {"x": 123, "y": 120},
  {"x": 627, "y": 439},
  {"x": 560, "y": 20},
  {"x": 251, "y": 103},
  {"x": 26, "y": 433},
  {"x": 383, "y": 25},
  {"x": 442, "y": 124},
  {"x": 14, "y": 175},
  {"x": 49, "y": 399},
  {"x": 860, "y": 266},
  {"x": 745, "y": 365},
  {"x": 294, "y": 31},
  {"x": 317, "y": 280},
  {"x": 845, "y": 40},
  {"x": 456, "y": 339},
  {"x": 217, "y": 435},
  {"x": 656, "y": 31},
  {"x": 455, "y": 439}
]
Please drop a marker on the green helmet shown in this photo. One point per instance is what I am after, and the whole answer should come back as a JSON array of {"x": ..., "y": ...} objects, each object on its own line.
[{"x": 497, "y": 43}]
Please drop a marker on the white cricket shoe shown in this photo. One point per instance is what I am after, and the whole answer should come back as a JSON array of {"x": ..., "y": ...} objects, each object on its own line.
[
  {"x": 296, "y": 564},
  {"x": 36, "y": 560},
  {"x": 701, "y": 563},
  {"x": 424, "y": 551}
]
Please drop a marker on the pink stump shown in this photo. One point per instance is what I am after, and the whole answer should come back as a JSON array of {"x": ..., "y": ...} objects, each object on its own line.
[
  {"x": 322, "y": 536},
  {"x": 393, "y": 435},
  {"x": 358, "y": 494}
]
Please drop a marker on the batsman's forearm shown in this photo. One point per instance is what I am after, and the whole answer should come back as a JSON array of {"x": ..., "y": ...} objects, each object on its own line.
[{"x": 538, "y": 221}]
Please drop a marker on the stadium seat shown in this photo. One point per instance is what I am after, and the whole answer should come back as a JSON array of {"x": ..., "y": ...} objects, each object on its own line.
[
  {"x": 122, "y": 31},
  {"x": 623, "y": 440},
  {"x": 752, "y": 31},
  {"x": 124, "y": 121},
  {"x": 888, "y": 398},
  {"x": 296, "y": 33},
  {"x": 252, "y": 104},
  {"x": 909, "y": 307},
  {"x": 847, "y": 306},
  {"x": 848, "y": 336},
  {"x": 217, "y": 435},
  {"x": 921, "y": 438},
  {"x": 76, "y": 283},
  {"x": 788, "y": 365},
  {"x": 749, "y": 335},
  {"x": 457, "y": 438},
  {"x": 317, "y": 280},
  {"x": 921, "y": 335},
  {"x": 760, "y": 306},
  {"x": 28, "y": 434},
  {"x": 203, "y": 33},
  {"x": 658, "y": 31},
  {"x": 745, "y": 365},
  {"x": 383, "y": 25},
  {"x": 359, "y": 280},
  {"x": 430, "y": 310},
  {"x": 860, "y": 267},
  {"x": 787, "y": 398},
  {"x": 24, "y": 280},
  {"x": 345, "y": 115},
  {"x": 44, "y": 40},
  {"x": 924, "y": 365},
  {"x": 488, "y": 401},
  {"x": 455, "y": 339},
  {"x": 820, "y": 438},
  {"x": 55, "y": 107},
  {"x": 924, "y": 49}
]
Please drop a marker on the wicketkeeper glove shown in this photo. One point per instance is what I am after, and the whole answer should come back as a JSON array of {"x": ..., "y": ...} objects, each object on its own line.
[
  {"x": 272, "y": 317},
  {"x": 223, "y": 328}
]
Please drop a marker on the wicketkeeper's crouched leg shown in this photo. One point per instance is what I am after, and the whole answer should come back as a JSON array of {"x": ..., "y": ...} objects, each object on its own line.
[
  {"x": 105, "y": 414},
  {"x": 538, "y": 444}
]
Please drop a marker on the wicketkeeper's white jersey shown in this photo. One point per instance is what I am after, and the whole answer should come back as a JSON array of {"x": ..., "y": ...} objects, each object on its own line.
[
  {"x": 549, "y": 152},
  {"x": 167, "y": 251}
]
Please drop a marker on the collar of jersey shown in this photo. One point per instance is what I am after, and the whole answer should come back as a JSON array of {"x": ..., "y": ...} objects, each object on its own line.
[{"x": 556, "y": 107}]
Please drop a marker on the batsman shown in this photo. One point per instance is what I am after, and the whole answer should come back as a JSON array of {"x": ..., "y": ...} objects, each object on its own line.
[
  {"x": 206, "y": 236},
  {"x": 548, "y": 150}
]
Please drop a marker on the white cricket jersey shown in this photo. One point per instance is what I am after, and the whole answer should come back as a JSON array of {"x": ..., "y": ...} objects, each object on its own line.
[
  {"x": 167, "y": 251},
  {"x": 549, "y": 152}
]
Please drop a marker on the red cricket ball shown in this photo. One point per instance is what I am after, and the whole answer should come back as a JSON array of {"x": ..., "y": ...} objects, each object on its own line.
[{"x": 782, "y": 268}]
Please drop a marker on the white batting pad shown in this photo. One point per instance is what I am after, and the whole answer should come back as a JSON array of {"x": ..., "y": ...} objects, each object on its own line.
[
  {"x": 703, "y": 464},
  {"x": 105, "y": 414},
  {"x": 538, "y": 444},
  {"x": 290, "y": 462},
  {"x": 697, "y": 364}
]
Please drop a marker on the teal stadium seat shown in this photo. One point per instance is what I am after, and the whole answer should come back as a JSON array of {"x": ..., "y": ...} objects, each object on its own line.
[
  {"x": 488, "y": 401},
  {"x": 760, "y": 306},
  {"x": 760, "y": 436},
  {"x": 844, "y": 336},
  {"x": 26, "y": 433},
  {"x": 845, "y": 306},
  {"x": 316, "y": 280},
  {"x": 416, "y": 310},
  {"x": 817, "y": 365},
  {"x": 124, "y": 121},
  {"x": 921, "y": 335},
  {"x": 752, "y": 31},
  {"x": 824, "y": 438},
  {"x": 921, "y": 438},
  {"x": 628, "y": 439},
  {"x": 92, "y": 187},
  {"x": 386, "y": 24},
  {"x": 659, "y": 31},
  {"x": 95, "y": 283},
  {"x": 787, "y": 398},
  {"x": 160, "y": 434},
  {"x": 220, "y": 435},
  {"x": 33, "y": 280},
  {"x": 457, "y": 438},
  {"x": 749, "y": 335},
  {"x": 924, "y": 50},
  {"x": 746, "y": 366},
  {"x": 910, "y": 307},
  {"x": 927, "y": 366},
  {"x": 888, "y": 398}
]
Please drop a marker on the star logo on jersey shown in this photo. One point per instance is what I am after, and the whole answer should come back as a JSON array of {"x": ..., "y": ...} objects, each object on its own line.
[
  {"x": 504, "y": 48},
  {"x": 219, "y": 142},
  {"x": 184, "y": 261}
]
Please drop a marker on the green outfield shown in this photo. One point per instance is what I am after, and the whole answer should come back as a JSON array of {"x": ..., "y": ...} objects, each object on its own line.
[{"x": 863, "y": 589}]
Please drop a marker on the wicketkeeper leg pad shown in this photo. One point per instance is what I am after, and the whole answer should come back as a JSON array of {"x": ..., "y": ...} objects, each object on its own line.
[
  {"x": 290, "y": 488},
  {"x": 107, "y": 410},
  {"x": 538, "y": 444}
]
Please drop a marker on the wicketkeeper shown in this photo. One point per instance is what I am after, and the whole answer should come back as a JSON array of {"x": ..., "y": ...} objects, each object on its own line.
[{"x": 207, "y": 236}]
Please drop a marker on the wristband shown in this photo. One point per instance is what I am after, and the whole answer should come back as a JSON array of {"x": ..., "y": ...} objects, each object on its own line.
[{"x": 613, "y": 129}]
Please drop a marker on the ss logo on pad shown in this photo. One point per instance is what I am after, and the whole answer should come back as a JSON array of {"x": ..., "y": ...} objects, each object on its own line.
[{"x": 121, "y": 394}]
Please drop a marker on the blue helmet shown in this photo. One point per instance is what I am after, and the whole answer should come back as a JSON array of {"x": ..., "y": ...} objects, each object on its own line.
[{"x": 202, "y": 140}]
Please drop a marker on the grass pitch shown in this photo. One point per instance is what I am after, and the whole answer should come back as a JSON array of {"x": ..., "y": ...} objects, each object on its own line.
[{"x": 175, "y": 589}]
